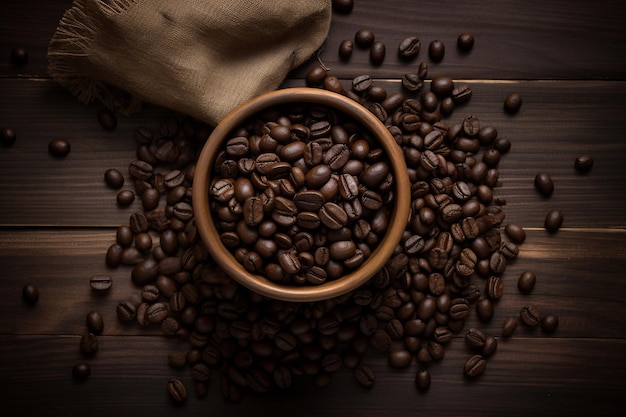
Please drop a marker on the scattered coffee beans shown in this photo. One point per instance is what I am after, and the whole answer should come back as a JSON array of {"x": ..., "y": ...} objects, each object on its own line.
[
  {"x": 422, "y": 380},
  {"x": 377, "y": 52},
  {"x": 475, "y": 366},
  {"x": 512, "y": 103},
  {"x": 583, "y": 163},
  {"x": 95, "y": 322},
  {"x": 343, "y": 6},
  {"x": 125, "y": 198},
  {"x": 544, "y": 184},
  {"x": 30, "y": 293},
  {"x": 89, "y": 344},
  {"x": 7, "y": 136},
  {"x": 549, "y": 323},
  {"x": 526, "y": 281},
  {"x": 530, "y": 316},
  {"x": 315, "y": 76},
  {"x": 509, "y": 326},
  {"x": 465, "y": 42},
  {"x": 364, "y": 38},
  {"x": 101, "y": 282},
  {"x": 515, "y": 232},
  {"x": 59, "y": 147},
  {"x": 81, "y": 371},
  {"x": 114, "y": 178},
  {"x": 553, "y": 221},
  {"x": 19, "y": 56},
  {"x": 436, "y": 50},
  {"x": 177, "y": 390},
  {"x": 345, "y": 49},
  {"x": 409, "y": 47},
  {"x": 107, "y": 119}
]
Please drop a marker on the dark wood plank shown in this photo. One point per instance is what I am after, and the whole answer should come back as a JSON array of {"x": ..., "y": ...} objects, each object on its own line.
[
  {"x": 558, "y": 122},
  {"x": 553, "y": 40},
  {"x": 580, "y": 279},
  {"x": 129, "y": 375}
]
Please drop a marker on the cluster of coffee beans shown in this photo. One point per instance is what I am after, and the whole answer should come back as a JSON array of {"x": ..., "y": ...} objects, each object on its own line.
[{"x": 301, "y": 194}]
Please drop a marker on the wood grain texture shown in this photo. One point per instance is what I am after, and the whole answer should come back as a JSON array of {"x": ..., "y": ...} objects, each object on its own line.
[{"x": 566, "y": 58}]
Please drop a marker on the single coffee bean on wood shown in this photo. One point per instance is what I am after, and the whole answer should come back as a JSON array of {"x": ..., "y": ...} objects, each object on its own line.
[
  {"x": 89, "y": 344},
  {"x": 583, "y": 163},
  {"x": 364, "y": 38},
  {"x": 345, "y": 49},
  {"x": 553, "y": 221},
  {"x": 530, "y": 316},
  {"x": 107, "y": 119},
  {"x": 544, "y": 184},
  {"x": 95, "y": 322},
  {"x": 475, "y": 366},
  {"x": 59, "y": 148},
  {"x": 465, "y": 42},
  {"x": 114, "y": 178},
  {"x": 422, "y": 380},
  {"x": 409, "y": 47},
  {"x": 513, "y": 103},
  {"x": 526, "y": 281},
  {"x": 7, "y": 136},
  {"x": 30, "y": 293},
  {"x": 549, "y": 323},
  {"x": 81, "y": 371},
  {"x": 509, "y": 326},
  {"x": 436, "y": 50},
  {"x": 100, "y": 282},
  {"x": 177, "y": 390}
]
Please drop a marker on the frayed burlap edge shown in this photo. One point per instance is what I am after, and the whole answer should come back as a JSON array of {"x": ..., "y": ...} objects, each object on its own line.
[{"x": 71, "y": 43}]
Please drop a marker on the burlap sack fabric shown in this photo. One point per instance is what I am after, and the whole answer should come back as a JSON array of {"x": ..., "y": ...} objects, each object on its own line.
[{"x": 202, "y": 58}]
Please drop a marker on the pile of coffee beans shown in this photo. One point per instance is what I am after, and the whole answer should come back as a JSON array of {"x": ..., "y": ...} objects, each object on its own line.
[{"x": 301, "y": 194}]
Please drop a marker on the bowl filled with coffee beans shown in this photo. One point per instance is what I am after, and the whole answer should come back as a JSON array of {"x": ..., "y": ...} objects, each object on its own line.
[{"x": 301, "y": 195}]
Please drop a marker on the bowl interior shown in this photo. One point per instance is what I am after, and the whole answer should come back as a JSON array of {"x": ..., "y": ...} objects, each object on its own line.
[{"x": 258, "y": 283}]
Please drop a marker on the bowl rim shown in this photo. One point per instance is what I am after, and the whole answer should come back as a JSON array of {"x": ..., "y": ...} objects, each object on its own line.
[{"x": 258, "y": 283}]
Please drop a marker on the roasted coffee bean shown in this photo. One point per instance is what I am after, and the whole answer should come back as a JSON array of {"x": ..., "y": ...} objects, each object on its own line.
[
  {"x": 95, "y": 322},
  {"x": 553, "y": 221},
  {"x": 364, "y": 375},
  {"x": 484, "y": 309},
  {"x": 509, "y": 326},
  {"x": 81, "y": 371},
  {"x": 332, "y": 83},
  {"x": 530, "y": 316},
  {"x": 377, "y": 52},
  {"x": 409, "y": 47},
  {"x": 59, "y": 148},
  {"x": 422, "y": 380},
  {"x": 442, "y": 86},
  {"x": 465, "y": 42},
  {"x": 107, "y": 119},
  {"x": 126, "y": 311},
  {"x": 549, "y": 323},
  {"x": 583, "y": 163},
  {"x": 114, "y": 178},
  {"x": 140, "y": 170},
  {"x": 343, "y": 6},
  {"x": 491, "y": 344},
  {"x": 544, "y": 184},
  {"x": 515, "y": 232},
  {"x": 125, "y": 198},
  {"x": 475, "y": 366},
  {"x": 7, "y": 136},
  {"x": 19, "y": 56},
  {"x": 177, "y": 390},
  {"x": 364, "y": 38},
  {"x": 475, "y": 339},
  {"x": 526, "y": 281},
  {"x": 513, "y": 103},
  {"x": 361, "y": 83},
  {"x": 30, "y": 293},
  {"x": 399, "y": 359},
  {"x": 315, "y": 76},
  {"x": 494, "y": 287},
  {"x": 100, "y": 282},
  {"x": 436, "y": 50},
  {"x": 89, "y": 344},
  {"x": 143, "y": 135},
  {"x": 345, "y": 49}
]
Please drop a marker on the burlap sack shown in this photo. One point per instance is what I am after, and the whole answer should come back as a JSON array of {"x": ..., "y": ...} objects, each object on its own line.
[{"x": 200, "y": 57}]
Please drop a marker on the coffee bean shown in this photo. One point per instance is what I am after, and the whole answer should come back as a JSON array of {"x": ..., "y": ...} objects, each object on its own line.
[
  {"x": 364, "y": 375},
  {"x": 177, "y": 390},
  {"x": 515, "y": 232},
  {"x": 491, "y": 344},
  {"x": 89, "y": 344},
  {"x": 475, "y": 366},
  {"x": 583, "y": 163},
  {"x": 377, "y": 52},
  {"x": 126, "y": 310},
  {"x": 509, "y": 326},
  {"x": 399, "y": 359},
  {"x": 526, "y": 281},
  {"x": 442, "y": 86},
  {"x": 30, "y": 293},
  {"x": 364, "y": 38},
  {"x": 81, "y": 371},
  {"x": 343, "y": 6},
  {"x": 107, "y": 119},
  {"x": 409, "y": 47},
  {"x": 530, "y": 316},
  {"x": 553, "y": 221},
  {"x": 125, "y": 198},
  {"x": 513, "y": 103},
  {"x": 475, "y": 339},
  {"x": 95, "y": 322},
  {"x": 422, "y": 380},
  {"x": 345, "y": 49},
  {"x": 549, "y": 323},
  {"x": 19, "y": 56},
  {"x": 59, "y": 148},
  {"x": 100, "y": 282},
  {"x": 7, "y": 136},
  {"x": 114, "y": 178},
  {"x": 436, "y": 50},
  {"x": 315, "y": 76},
  {"x": 465, "y": 42},
  {"x": 544, "y": 184}
]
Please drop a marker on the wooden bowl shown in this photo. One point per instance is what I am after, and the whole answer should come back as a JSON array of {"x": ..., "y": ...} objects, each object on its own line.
[{"x": 260, "y": 284}]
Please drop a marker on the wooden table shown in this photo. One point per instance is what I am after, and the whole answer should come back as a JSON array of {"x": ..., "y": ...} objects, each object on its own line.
[{"x": 566, "y": 58}]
